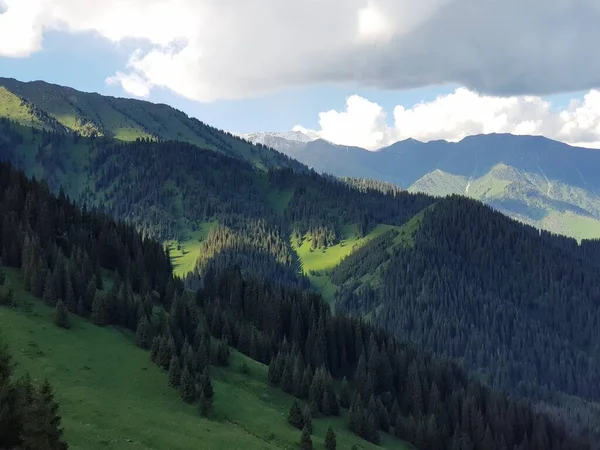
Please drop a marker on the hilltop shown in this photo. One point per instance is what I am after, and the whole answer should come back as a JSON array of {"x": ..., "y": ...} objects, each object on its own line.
[{"x": 62, "y": 109}]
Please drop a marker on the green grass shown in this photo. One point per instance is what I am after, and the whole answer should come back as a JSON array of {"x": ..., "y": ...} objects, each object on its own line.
[
  {"x": 325, "y": 287},
  {"x": 112, "y": 397},
  {"x": 577, "y": 226},
  {"x": 279, "y": 199},
  {"x": 184, "y": 260},
  {"x": 12, "y": 107},
  {"x": 324, "y": 259},
  {"x": 316, "y": 263}
]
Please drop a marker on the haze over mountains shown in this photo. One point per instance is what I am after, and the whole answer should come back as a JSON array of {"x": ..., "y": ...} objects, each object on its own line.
[{"x": 545, "y": 183}]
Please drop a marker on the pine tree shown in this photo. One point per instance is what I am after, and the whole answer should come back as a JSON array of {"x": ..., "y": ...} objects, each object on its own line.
[
  {"x": 204, "y": 405},
  {"x": 295, "y": 417},
  {"x": 142, "y": 333},
  {"x": 174, "y": 372},
  {"x": 206, "y": 388},
  {"x": 154, "y": 348},
  {"x": 163, "y": 357},
  {"x": 308, "y": 418},
  {"x": 99, "y": 312},
  {"x": 306, "y": 440},
  {"x": 372, "y": 429},
  {"x": 187, "y": 387},
  {"x": 345, "y": 394},
  {"x": 61, "y": 315},
  {"x": 49, "y": 295},
  {"x": 330, "y": 442},
  {"x": 70, "y": 300},
  {"x": 41, "y": 427}
]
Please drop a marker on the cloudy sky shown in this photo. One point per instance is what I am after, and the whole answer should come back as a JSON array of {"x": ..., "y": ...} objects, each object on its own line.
[{"x": 358, "y": 72}]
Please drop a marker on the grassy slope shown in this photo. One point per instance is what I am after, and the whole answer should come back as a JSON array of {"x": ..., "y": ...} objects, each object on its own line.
[
  {"x": 12, "y": 106},
  {"x": 316, "y": 263},
  {"x": 127, "y": 119},
  {"x": 184, "y": 260},
  {"x": 112, "y": 396}
]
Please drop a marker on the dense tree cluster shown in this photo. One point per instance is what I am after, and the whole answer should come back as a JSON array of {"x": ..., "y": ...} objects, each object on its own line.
[
  {"x": 29, "y": 415},
  {"x": 252, "y": 245},
  {"x": 321, "y": 206},
  {"x": 368, "y": 184},
  {"x": 395, "y": 388},
  {"x": 519, "y": 307}
]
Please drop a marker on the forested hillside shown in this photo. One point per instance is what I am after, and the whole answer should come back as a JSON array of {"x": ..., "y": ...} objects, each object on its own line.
[
  {"x": 63, "y": 254},
  {"x": 62, "y": 109},
  {"x": 517, "y": 308}
]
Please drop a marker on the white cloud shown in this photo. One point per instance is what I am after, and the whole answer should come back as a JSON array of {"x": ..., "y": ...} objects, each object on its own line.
[
  {"x": 132, "y": 83},
  {"x": 459, "y": 114},
  {"x": 20, "y": 33},
  {"x": 214, "y": 49}
]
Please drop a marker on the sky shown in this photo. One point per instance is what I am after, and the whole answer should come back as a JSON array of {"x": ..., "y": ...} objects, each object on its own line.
[{"x": 355, "y": 72}]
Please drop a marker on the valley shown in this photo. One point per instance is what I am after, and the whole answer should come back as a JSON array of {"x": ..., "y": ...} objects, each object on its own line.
[{"x": 437, "y": 305}]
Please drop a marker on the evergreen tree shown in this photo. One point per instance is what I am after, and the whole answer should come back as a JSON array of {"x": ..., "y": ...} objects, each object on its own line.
[
  {"x": 99, "y": 310},
  {"x": 49, "y": 295},
  {"x": 187, "y": 387},
  {"x": 154, "y": 349},
  {"x": 41, "y": 425},
  {"x": 143, "y": 333},
  {"x": 330, "y": 441},
  {"x": 295, "y": 417},
  {"x": 345, "y": 394},
  {"x": 206, "y": 388},
  {"x": 308, "y": 418},
  {"x": 204, "y": 405},
  {"x": 61, "y": 315},
  {"x": 306, "y": 440},
  {"x": 174, "y": 372}
]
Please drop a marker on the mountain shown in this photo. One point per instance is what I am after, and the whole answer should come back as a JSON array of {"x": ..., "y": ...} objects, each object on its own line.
[
  {"x": 285, "y": 142},
  {"x": 516, "y": 308},
  {"x": 62, "y": 109},
  {"x": 92, "y": 274},
  {"x": 533, "y": 179}
]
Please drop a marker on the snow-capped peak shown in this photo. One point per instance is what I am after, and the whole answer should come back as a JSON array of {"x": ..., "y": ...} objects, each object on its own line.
[{"x": 294, "y": 136}]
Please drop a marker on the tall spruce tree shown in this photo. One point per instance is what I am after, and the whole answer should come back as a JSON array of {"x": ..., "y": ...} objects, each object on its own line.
[
  {"x": 295, "y": 416},
  {"x": 187, "y": 387},
  {"x": 330, "y": 441},
  {"x": 61, "y": 315},
  {"x": 143, "y": 333},
  {"x": 306, "y": 439}
]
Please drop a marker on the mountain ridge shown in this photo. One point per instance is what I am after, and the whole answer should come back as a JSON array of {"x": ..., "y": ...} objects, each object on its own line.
[
  {"x": 545, "y": 165},
  {"x": 63, "y": 109}
]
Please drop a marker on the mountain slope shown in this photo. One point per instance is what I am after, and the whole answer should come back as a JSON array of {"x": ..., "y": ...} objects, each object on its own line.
[
  {"x": 114, "y": 397},
  {"x": 284, "y": 142},
  {"x": 411, "y": 394},
  {"x": 60, "y": 108},
  {"x": 175, "y": 190},
  {"x": 550, "y": 185}
]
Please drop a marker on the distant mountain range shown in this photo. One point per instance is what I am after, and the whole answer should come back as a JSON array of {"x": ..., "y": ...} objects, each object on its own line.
[{"x": 545, "y": 183}]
